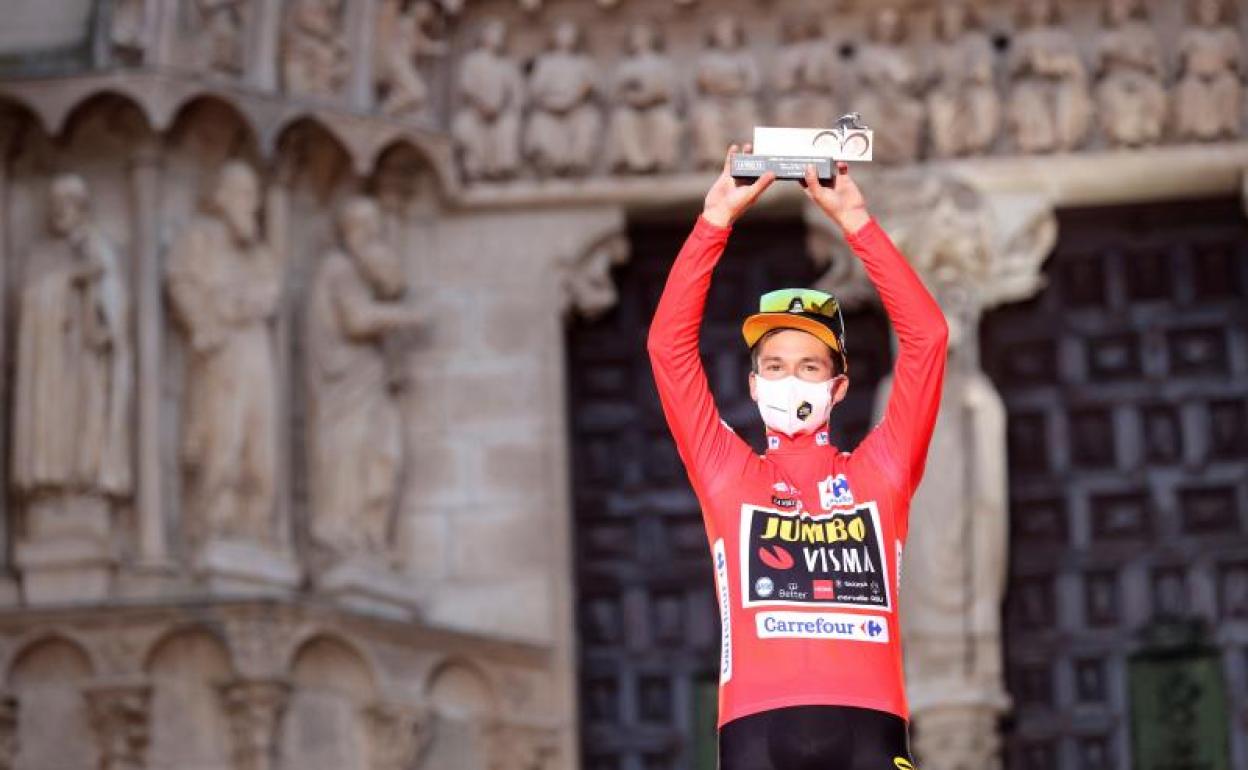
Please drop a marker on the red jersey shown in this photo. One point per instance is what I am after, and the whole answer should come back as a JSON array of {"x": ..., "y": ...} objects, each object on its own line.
[{"x": 806, "y": 540}]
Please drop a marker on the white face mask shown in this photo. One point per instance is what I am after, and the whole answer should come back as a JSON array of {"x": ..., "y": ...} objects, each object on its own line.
[{"x": 794, "y": 406}]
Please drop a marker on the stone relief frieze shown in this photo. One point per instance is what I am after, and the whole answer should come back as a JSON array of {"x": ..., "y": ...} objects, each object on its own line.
[
  {"x": 1050, "y": 107},
  {"x": 255, "y": 708},
  {"x": 314, "y": 53},
  {"x": 888, "y": 79},
  {"x": 521, "y": 747},
  {"x": 531, "y": 93},
  {"x": 405, "y": 38},
  {"x": 120, "y": 714},
  {"x": 963, "y": 106},
  {"x": 486, "y": 128},
  {"x": 644, "y": 133},
  {"x": 216, "y": 28},
  {"x": 1210, "y": 86},
  {"x": 564, "y": 124},
  {"x": 727, "y": 79},
  {"x": 1131, "y": 97},
  {"x": 399, "y": 735},
  {"x": 804, "y": 76}
]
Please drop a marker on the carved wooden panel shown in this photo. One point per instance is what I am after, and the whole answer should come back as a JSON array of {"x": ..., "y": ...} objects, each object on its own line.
[
  {"x": 1126, "y": 382},
  {"x": 647, "y": 618}
]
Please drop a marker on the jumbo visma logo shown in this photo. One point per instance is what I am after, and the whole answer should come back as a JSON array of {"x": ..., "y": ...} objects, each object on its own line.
[
  {"x": 832, "y": 560},
  {"x": 838, "y": 529}
]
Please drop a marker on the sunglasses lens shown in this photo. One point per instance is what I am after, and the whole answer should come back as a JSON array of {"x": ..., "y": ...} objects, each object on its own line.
[{"x": 798, "y": 301}]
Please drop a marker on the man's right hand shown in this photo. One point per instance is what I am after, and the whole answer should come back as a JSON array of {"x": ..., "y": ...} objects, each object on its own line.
[{"x": 728, "y": 198}]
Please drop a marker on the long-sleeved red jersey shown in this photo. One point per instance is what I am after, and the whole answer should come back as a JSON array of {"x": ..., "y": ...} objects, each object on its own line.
[{"x": 806, "y": 540}]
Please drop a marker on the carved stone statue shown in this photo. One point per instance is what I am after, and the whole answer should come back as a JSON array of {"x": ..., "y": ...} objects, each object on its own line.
[
  {"x": 224, "y": 284},
  {"x": 955, "y": 558},
  {"x": 486, "y": 127},
  {"x": 356, "y": 446},
  {"x": 803, "y": 76},
  {"x": 963, "y": 105},
  {"x": 74, "y": 378},
  {"x": 403, "y": 38},
  {"x": 564, "y": 126},
  {"x": 1208, "y": 94},
  {"x": 888, "y": 81},
  {"x": 1050, "y": 107},
  {"x": 726, "y": 81},
  {"x": 130, "y": 29},
  {"x": 644, "y": 131},
  {"x": 1130, "y": 96},
  {"x": 219, "y": 35},
  {"x": 314, "y": 57}
]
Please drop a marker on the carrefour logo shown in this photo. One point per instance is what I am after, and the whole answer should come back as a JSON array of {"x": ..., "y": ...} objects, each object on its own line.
[{"x": 821, "y": 625}]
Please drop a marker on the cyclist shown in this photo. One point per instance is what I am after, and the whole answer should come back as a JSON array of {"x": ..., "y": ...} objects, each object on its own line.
[{"x": 806, "y": 540}]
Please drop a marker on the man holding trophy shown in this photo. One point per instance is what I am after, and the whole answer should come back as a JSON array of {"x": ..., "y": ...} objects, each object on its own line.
[{"x": 806, "y": 540}]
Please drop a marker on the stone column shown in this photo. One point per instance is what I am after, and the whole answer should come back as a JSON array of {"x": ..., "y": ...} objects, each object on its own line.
[
  {"x": 145, "y": 171},
  {"x": 8, "y": 731},
  {"x": 9, "y": 128},
  {"x": 265, "y": 49},
  {"x": 121, "y": 718},
  {"x": 361, "y": 16},
  {"x": 973, "y": 251},
  {"x": 165, "y": 35},
  {"x": 254, "y": 708},
  {"x": 277, "y": 230}
]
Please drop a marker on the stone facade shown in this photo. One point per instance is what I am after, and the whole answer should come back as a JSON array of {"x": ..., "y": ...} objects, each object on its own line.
[{"x": 295, "y": 222}]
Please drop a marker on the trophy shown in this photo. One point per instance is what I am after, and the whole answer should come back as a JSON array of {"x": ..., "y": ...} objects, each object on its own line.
[{"x": 788, "y": 151}]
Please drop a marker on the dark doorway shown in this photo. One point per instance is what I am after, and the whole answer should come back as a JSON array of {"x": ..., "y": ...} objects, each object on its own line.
[
  {"x": 646, "y": 613},
  {"x": 1126, "y": 382}
]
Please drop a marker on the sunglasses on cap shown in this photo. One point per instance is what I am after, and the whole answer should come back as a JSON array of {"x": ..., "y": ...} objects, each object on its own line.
[{"x": 809, "y": 310}]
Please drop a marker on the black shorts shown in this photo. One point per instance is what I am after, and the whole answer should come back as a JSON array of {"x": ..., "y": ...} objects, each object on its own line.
[{"x": 816, "y": 738}]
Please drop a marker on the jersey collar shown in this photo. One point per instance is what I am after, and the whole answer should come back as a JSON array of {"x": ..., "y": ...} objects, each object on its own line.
[{"x": 778, "y": 443}]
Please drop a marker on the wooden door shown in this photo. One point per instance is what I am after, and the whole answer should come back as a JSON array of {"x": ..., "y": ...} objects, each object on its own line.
[{"x": 1126, "y": 382}]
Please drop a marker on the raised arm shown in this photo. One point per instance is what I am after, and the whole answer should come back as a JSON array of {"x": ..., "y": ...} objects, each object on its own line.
[
  {"x": 898, "y": 444},
  {"x": 707, "y": 447}
]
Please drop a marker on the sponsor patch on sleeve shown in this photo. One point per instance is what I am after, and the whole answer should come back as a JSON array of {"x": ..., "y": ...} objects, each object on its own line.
[{"x": 723, "y": 588}]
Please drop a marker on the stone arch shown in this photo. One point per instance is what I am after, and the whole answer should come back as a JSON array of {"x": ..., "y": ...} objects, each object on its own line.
[
  {"x": 187, "y": 667},
  {"x": 323, "y": 729},
  {"x": 459, "y": 687},
  {"x": 309, "y": 154},
  {"x": 464, "y": 703},
  {"x": 213, "y": 128},
  {"x": 119, "y": 109},
  {"x": 17, "y": 116},
  {"x": 402, "y": 171},
  {"x": 46, "y": 676}
]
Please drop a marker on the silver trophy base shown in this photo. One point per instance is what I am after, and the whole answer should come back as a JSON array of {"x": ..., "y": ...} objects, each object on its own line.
[{"x": 783, "y": 166}]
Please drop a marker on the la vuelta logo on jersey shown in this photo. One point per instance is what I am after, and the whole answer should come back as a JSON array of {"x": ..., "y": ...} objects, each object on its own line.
[{"x": 790, "y": 558}]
